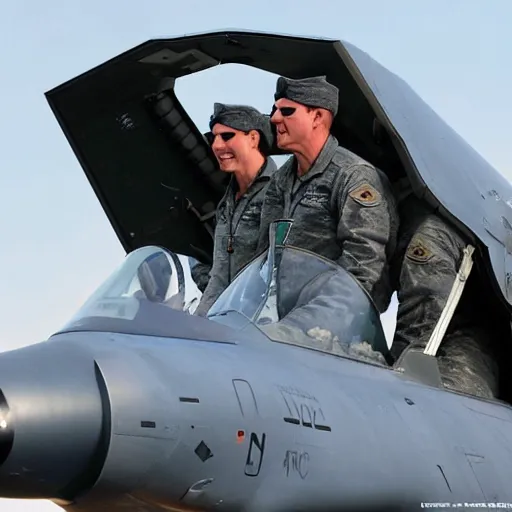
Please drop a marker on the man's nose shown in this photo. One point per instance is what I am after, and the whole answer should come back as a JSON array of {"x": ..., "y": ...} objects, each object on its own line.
[
  {"x": 218, "y": 143},
  {"x": 276, "y": 117}
]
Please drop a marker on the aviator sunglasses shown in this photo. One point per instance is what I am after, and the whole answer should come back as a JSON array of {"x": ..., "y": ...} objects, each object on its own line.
[
  {"x": 285, "y": 111},
  {"x": 225, "y": 136}
]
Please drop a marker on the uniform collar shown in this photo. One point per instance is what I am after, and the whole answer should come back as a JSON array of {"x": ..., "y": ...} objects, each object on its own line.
[
  {"x": 323, "y": 159},
  {"x": 268, "y": 168},
  {"x": 264, "y": 174}
]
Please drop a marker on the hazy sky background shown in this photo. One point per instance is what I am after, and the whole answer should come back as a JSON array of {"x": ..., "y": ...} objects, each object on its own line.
[{"x": 58, "y": 245}]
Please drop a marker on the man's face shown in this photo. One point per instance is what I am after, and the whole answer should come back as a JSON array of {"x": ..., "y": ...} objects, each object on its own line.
[
  {"x": 294, "y": 123},
  {"x": 232, "y": 148}
]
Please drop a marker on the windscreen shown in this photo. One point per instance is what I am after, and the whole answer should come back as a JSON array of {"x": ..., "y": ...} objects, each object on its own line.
[
  {"x": 309, "y": 301},
  {"x": 147, "y": 294}
]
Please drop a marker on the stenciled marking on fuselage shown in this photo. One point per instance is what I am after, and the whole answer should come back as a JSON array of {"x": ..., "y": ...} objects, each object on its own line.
[
  {"x": 303, "y": 408},
  {"x": 255, "y": 454},
  {"x": 189, "y": 400},
  {"x": 297, "y": 462}
]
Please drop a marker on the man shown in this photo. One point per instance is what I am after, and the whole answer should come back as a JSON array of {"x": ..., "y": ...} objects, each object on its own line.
[
  {"x": 424, "y": 269},
  {"x": 241, "y": 139},
  {"x": 343, "y": 207}
]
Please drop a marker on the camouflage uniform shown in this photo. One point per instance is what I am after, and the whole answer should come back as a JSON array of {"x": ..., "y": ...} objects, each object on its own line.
[
  {"x": 200, "y": 273},
  {"x": 428, "y": 257},
  {"x": 237, "y": 222},
  {"x": 343, "y": 207}
]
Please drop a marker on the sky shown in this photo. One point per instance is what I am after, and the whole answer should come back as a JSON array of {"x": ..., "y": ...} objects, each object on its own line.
[{"x": 58, "y": 246}]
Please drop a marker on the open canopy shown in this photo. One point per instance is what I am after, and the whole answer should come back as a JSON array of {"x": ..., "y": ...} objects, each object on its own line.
[{"x": 157, "y": 179}]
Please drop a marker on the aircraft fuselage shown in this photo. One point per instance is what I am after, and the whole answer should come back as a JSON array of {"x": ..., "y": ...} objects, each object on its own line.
[{"x": 175, "y": 422}]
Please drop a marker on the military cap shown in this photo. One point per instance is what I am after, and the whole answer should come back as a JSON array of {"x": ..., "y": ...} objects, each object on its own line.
[
  {"x": 243, "y": 118},
  {"x": 314, "y": 91}
]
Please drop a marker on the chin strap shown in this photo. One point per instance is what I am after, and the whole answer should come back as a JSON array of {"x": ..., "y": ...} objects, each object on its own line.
[{"x": 451, "y": 303}]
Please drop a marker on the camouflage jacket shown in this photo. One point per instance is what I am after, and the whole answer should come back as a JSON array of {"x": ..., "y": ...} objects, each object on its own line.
[
  {"x": 236, "y": 234},
  {"x": 343, "y": 210},
  {"x": 200, "y": 273}
]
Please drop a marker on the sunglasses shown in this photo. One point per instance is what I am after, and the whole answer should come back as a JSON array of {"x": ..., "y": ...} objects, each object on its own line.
[
  {"x": 225, "y": 136},
  {"x": 285, "y": 111}
]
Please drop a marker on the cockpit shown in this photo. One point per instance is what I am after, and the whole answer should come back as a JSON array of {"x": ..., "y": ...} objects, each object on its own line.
[
  {"x": 287, "y": 294},
  {"x": 294, "y": 296}
]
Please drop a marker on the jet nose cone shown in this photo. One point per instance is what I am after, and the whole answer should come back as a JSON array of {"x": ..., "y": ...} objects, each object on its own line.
[
  {"x": 6, "y": 430},
  {"x": 52, "y": 421}
]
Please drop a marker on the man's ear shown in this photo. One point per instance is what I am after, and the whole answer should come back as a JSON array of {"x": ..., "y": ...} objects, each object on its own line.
[
  {"x": 318, "y": 117},
  {"x": 322, "y": 117},
  {"x": 255, "y": 138}
]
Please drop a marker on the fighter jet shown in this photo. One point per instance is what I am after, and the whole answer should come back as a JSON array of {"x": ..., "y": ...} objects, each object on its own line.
[{"x": 137, "y": 404}]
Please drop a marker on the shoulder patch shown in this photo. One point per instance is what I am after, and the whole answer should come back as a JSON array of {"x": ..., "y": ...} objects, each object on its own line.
[
  {"x": 366, "y": 195},
  {"x": 418, "y": 251}
]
